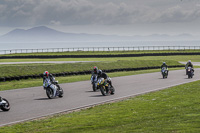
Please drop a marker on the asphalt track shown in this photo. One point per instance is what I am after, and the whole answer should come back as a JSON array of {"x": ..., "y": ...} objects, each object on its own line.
[
  {"x": 54, "y": 62},
  {"x": 31, "y": 103}
]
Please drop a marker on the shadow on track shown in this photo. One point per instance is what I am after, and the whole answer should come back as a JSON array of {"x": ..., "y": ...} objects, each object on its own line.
[
  {"x": 42, "y": 99},
  {"x": 97, "y": 96},
  {"x": 89, "y": 91}
]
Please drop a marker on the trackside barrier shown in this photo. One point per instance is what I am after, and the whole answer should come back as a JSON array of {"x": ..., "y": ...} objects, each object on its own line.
[
  {"x": 3, "y": 79},
  {"x": 106, "y": 49}
]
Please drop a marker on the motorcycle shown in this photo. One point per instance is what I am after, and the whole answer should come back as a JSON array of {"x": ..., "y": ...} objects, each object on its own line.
[
  {"x": 164, "y": 72},
  {"x": 105, "y": 88},
  {"x": 4, "y": 104},
  {"x": 49, "y": 91},
  {"x": 94, "y": 82},
  {"x": 190, "y": 72}
]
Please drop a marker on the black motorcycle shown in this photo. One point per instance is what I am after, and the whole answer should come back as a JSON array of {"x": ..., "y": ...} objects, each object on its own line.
[
  {"x": 49, "y": 91},
  {"x": 164, "y": 72},
  {"x": 4, "y": 104},
  {"x": 190, "y": 72}
]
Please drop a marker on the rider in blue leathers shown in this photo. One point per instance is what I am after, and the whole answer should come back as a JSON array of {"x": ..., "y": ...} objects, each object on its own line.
[{"x": 47, "y": 76}]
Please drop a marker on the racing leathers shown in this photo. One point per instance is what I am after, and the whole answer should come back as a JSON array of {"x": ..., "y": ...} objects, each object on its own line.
[
  {"x": 105, "y": 76},
  {"x": 164, "y": 65},
  {"x": 48, "y": 82},
  {"x": 189, "y": 64},
  {"x": 93, "y": 76}
]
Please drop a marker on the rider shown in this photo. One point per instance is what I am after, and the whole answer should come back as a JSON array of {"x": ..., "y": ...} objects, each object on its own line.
[
  {"x": 48, "y": 76},
  {"x": 164, "y": 65},
  {"x": 189, "y": 64},
  {"x": 105, "y": 76},
  {"x": 94, "y": 72}
]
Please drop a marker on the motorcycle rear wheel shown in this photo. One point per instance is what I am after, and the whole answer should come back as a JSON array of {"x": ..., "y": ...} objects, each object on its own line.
[
  {"x": 112, "y": 90},
  {"x": 60, "y": 92},
  {"x": 5, "y": 107}
]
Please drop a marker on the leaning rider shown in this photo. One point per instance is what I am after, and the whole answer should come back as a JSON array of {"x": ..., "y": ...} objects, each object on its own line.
[
  {"x": 47, "y": 76},
  {"x": 105, "y": 76},
  {"x": 189, "y": 64},
  {"x": 164, "y": 65},
  {"x": 94, "y": 72}
]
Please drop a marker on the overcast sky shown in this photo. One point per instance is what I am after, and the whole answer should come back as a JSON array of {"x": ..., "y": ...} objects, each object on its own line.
[{"x": 120, "y": 17}]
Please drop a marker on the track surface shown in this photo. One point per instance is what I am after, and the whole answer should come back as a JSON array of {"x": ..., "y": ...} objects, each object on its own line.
[{"x": 30, "y": 103}]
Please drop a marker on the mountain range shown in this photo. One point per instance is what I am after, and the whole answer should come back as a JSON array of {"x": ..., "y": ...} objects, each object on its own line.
[{"x": 45, "y": 34}]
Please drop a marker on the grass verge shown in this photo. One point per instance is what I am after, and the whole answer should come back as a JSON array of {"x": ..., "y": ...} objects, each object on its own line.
[
  {"x": 193, "y": 58},
  {"x": 36, "y": 69},
  {"x": 174, "y": 109}
]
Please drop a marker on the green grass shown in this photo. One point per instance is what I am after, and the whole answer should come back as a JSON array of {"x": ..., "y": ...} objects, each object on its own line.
[
  {"x": 174, "y": 109},
  {"x": 9, "y": 85},
  {"x": 193, "y": 58},
  {"x": 33, "y": 69}
]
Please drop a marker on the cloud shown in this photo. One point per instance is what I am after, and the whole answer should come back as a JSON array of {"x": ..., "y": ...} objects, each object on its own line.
[
  {"x": 99, "y": 12},
  {"x": 178, "y": 14}
]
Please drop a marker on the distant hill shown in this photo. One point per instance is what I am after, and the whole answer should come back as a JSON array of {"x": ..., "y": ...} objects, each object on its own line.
[{"x": 45, "y": 34}]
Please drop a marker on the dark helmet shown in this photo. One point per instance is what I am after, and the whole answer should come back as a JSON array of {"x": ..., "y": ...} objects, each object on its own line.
[
  {"x": 164, "y": 63},
  {"x": 46, "y": 74},
  {"x": 100, "y": 72},
  {"x": 95, "y": 69}
]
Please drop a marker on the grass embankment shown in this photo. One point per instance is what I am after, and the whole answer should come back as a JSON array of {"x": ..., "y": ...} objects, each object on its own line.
[
  {"x": 103, "y": 52},
  {"x": 171, "y": 110},
  {"x": 193, "y": 58},
  {"x": 35, "y": 69}
]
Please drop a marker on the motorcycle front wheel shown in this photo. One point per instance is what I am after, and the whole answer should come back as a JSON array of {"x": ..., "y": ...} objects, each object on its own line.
[
  {"x": 94, "y": 87},
  {"x": 103, "y": 91},
  {"x": 49, "y": 92},
  {"x": 6, "y": 106}
]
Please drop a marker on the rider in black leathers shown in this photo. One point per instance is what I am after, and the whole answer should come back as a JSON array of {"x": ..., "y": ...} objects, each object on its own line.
[
  {"x": 189, "y": 64},
  {"x": 164, "y": 65},
  {"x": 105, "y": 76}
]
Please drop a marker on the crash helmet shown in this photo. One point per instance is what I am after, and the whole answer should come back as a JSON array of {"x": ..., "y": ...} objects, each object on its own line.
[
  {"x": 189, "y": 61},
  {"x": 99, "y": 72},
  {"x": 46, "y": 74},
  {"x": 164, "y": 63},
  {"x": 95, "y": 69}
]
